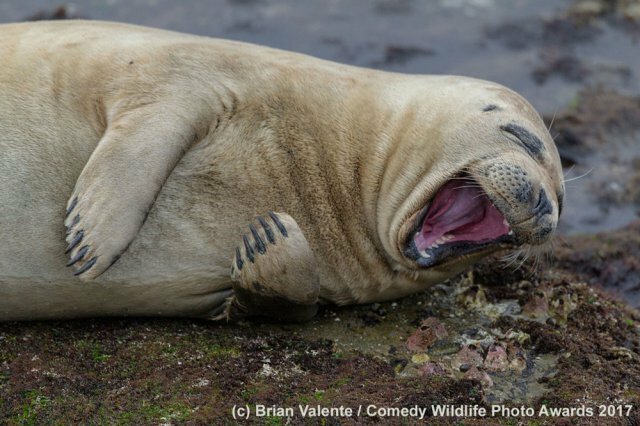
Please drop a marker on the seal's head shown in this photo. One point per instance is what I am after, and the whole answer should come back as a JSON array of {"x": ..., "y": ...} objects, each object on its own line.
[{"x": 481, "y": 173}]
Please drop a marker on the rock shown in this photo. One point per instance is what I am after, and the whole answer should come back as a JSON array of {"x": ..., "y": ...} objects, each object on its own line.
[
  {"x": 632, "y": 12},
  {"x": 517, "y": 357},
  {"x": 588, "y": 8},
  {"x": 431, "y": 329},
  {"x": 433, "y": 369},
  {"x": 496, "y": 359},
  {"x": 469, "y": 355},
  {"x": 420, "y": 358},
  {"x": 473, "y": 297},
  {"x": 537, "y": 306},
  {"x": 475, "y": 374}
]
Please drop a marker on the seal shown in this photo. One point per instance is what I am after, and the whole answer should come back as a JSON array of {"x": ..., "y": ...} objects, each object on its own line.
[{"x": 138, "y": 164}]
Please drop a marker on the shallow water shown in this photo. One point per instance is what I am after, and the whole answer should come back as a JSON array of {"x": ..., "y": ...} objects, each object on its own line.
[{"x": 499, "y": 40}]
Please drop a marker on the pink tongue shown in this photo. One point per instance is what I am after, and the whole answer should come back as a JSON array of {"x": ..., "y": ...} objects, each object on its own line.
[{"x": 461, "y": 212}]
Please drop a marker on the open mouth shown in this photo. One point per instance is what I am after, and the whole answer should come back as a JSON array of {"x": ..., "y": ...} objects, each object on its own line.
[{"x": 460, "y": 220}]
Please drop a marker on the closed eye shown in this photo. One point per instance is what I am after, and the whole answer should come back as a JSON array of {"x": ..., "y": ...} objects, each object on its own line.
[
  {"x": 525, "y": 139},
  {"x": 560, "y": 203}
]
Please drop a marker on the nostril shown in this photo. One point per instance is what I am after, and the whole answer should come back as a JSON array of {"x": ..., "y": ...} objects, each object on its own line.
[{"x": 543, "y": 206}]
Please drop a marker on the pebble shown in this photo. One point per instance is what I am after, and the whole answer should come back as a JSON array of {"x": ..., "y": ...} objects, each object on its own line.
[
  {"x": 420, "y": 358},
  {"x": 432, "y": 369},
  {"x": 496, "y": 359},
  {"x": 481, "y": 376},
  {"x": 430, "y": 331}
]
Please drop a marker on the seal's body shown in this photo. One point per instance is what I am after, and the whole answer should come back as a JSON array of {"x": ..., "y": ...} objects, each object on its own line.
[{"x": 155, "y": 149}]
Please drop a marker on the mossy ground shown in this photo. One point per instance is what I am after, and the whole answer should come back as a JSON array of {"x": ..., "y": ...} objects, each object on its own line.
[{"x": 152, "y": 371}]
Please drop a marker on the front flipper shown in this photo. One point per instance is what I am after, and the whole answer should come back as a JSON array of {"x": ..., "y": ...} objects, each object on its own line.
[
  {"x": 119, "y": 184},
  {"x": 274, "y": 273}
]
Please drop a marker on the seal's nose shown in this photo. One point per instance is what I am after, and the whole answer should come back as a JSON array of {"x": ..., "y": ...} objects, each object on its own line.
[
  {"x": 543, "y": 206},
  {"x": 543, "y": 214}
]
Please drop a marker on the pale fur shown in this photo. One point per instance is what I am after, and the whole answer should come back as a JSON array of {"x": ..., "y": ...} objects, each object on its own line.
[{"x": 352, "y": 154}]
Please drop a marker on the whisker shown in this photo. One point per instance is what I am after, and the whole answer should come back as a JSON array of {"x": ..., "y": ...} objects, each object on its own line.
[
  {"x": 512, "y": 257},
  {"x": 568, "y": 172},
  {"x": 552, "y": 120},
  {"x": 527, "y": 255},
  {"x": 534, "y": 256},
  {"x": 468, "y": 186},
  {"x": 578, "y": 177},
  {"x": 479, "y": 195},
  {"x": 461, "y": 178}
]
